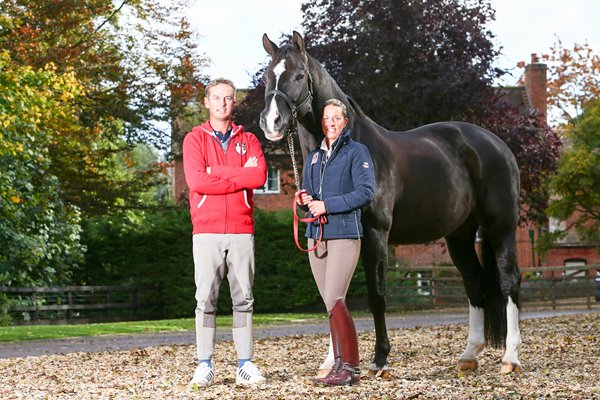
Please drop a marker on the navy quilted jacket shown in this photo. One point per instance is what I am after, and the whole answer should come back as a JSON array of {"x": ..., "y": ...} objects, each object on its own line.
[{"x": 345, "y": 182}]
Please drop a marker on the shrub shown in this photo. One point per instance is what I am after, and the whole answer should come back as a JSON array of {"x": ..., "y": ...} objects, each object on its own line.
[
  {"x": 5, "y": 319},
  {"x": 155, "y": 249}
]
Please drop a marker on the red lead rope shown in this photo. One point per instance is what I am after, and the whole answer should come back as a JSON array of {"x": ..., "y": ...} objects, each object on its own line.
[{"x": 322, "y": 220}]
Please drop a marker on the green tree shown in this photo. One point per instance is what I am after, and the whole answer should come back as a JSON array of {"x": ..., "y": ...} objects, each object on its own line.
[
  {"x": 576, "y": 186},
  {"x": 39, "y": 232},
  {"x": 127, "y": 55}
]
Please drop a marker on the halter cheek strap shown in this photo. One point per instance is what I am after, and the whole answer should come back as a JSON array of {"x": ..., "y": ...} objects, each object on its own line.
[{"x": 291, "y": 104}]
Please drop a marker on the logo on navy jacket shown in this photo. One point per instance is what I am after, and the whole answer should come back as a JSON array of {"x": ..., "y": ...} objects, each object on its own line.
[{"x": 241, "y": 148}]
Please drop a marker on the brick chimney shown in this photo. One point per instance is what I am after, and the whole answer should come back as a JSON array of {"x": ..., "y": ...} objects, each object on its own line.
[{"x": 536, "y": 87}]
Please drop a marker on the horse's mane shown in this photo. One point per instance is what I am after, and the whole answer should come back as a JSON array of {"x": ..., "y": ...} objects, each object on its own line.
[{"x": 360, "y": 113}]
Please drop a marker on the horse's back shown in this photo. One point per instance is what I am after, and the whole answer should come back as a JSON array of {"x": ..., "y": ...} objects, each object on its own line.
[{"x": 440, "y": 174}]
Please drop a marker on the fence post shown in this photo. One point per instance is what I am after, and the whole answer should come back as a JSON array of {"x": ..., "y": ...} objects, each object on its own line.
[
  {"x": 34, "y": 313},
  {"x": 70, "y": 303},
  {"x": 106, "y": 301},
  {"x": 588, "y": 300},
  {"x": 553, "y": 290},
  {"x": 431, "y": 296}
]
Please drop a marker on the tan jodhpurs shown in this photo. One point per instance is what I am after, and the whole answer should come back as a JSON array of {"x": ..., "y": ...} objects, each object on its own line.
[
  {"x": 333, "y": 264},
  {"x": 217, "y": 255}
]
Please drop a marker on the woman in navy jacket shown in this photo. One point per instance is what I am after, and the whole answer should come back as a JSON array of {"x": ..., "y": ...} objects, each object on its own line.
[{"x": 338, "y": 181}]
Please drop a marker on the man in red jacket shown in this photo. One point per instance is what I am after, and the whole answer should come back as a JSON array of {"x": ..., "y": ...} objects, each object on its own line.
[{"x": 223, "y": 164}]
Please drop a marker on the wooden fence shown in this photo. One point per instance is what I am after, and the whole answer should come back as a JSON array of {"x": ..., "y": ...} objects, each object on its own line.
[
  {"x": 435, "y": 287},
  {"x": 79, "y": 303},
  {"x": 408, "y": 288}
]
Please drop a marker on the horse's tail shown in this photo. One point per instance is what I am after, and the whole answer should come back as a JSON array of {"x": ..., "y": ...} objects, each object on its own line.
[{"x": 494, "y": 304}]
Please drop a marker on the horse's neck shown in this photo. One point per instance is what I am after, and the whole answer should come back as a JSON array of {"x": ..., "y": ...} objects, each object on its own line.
[
  {"x": 325, "y": 88},
  {"x": 308, "y": 141}
]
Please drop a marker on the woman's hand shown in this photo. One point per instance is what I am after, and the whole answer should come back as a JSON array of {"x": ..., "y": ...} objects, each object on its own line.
[
  {"x": 317, "y": 208},
  {"x": 303, "y": 198}
]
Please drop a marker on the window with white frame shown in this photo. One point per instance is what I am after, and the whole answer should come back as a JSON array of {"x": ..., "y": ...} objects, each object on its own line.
[
  {"x": 556, "y": 225},
  {"x": 272, "y": 183}
]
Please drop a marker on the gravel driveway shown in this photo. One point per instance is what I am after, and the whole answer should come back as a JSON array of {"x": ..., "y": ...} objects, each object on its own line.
[
  {"x": 560, "y": 355},
  {"x": 128, "y": 342}
]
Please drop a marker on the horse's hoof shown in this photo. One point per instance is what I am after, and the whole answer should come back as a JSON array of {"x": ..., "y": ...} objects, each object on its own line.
[
  {"x": 322, "y": 373},
  {"x": 467, "y": 365},
  {"x": 382, "y": 373},
  {"x": 508, "y": 368}
]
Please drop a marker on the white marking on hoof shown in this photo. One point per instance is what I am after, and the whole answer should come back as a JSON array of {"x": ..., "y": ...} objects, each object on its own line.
[
  {"x": 476, "y": 338},
  {"x": 508, "y": 368},
  {"x": 375, "y": 372},
  {"x": 322, "y": 373}
]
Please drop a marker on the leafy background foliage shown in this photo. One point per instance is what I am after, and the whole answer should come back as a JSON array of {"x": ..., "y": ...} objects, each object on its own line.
[
  {"x": 417, "y": 62},
  {"x": 576, "y": 186},
  {"x": 89, "y": 90},
  {"x": 39, "y": 232},
  {"x": 155, "y": 250}
]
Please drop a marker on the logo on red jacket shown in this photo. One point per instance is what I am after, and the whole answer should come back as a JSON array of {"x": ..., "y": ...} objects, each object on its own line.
[{"x": 241, "y": 148}]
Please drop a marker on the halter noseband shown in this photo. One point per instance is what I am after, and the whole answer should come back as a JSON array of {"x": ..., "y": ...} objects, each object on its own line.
[{"x": 291, "y": 104}]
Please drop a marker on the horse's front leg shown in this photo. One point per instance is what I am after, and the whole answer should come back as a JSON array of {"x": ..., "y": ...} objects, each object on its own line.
[{"x": 374, "y": 256}]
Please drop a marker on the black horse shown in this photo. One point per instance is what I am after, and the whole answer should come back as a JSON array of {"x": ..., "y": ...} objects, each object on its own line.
[{"x": 447, "y": 179}]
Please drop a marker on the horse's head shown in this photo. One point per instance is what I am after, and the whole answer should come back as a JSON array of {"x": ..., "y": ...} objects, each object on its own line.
[{"x": 288, "y": 87}]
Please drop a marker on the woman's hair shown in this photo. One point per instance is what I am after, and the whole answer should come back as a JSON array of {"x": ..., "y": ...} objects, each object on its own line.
[{"x": 337, "y": 103}]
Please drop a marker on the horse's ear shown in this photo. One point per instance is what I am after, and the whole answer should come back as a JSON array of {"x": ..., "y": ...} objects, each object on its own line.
[
  {"x": 269, "y": 46},
  {"x": 298, "y": 41}
]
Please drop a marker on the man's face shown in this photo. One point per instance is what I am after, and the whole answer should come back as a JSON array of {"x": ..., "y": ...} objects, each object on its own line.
[{"x": 220, "y": 102}]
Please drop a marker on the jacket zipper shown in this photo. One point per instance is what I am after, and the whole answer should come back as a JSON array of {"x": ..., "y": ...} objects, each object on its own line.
[
  {"x": 246, "y": 199},
  {"x": 321, "y": 177}
]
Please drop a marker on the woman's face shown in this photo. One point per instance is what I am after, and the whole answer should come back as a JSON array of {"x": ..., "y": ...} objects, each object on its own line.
[{"x": 333, "y": 122}]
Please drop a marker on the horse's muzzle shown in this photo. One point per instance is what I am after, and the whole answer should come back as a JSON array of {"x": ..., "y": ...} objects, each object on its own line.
[
  {"x": 273, "y": 133},
  {"x": 273, "y": 136}
]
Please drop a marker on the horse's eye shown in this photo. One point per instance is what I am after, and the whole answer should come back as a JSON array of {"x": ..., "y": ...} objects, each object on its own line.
[{"x": 300, "y": 76}]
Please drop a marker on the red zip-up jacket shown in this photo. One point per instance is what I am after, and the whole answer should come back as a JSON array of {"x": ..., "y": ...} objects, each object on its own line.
[{"x": 222, "y": 201}]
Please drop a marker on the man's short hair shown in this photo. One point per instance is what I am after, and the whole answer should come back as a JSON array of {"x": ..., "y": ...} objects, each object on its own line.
[{"x": 219, "y": 81}]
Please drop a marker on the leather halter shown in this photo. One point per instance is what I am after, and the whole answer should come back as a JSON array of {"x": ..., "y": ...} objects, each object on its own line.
[{"x": 294, "y": 108}]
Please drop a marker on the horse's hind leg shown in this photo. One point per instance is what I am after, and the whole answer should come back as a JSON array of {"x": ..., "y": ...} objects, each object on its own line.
[
  {"x": 504, "y": 248},
  {"x": 374, "y": 256},
  {"x": 462, "y": 251}
]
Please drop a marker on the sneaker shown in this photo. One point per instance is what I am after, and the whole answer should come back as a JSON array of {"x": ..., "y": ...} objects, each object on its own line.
[
  {"x": 248, "y": 374},
  {"x": 203, "y": 376}
]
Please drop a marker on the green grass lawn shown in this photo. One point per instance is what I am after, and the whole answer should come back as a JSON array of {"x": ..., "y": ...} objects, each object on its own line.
[{"x": 32, "y": 332}]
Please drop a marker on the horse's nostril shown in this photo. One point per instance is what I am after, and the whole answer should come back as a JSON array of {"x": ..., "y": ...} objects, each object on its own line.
[{"x": 277, "y": 119}]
